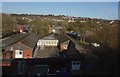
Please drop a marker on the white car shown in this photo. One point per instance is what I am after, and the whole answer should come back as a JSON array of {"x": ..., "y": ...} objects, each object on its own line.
[{"x": 95, "y": 44}]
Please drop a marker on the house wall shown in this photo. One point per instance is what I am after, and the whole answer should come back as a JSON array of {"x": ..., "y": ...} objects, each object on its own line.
[
  {"x": 5, "y": 64},
  {"x": 16, "y": 54},
  {"x": 63, "y": 47},
  {"x": 47, "y": 43},
  {"x": 20, "y": 28},
  {"x": 25, "y": 54},
  {"x": 7, "y": 55}
]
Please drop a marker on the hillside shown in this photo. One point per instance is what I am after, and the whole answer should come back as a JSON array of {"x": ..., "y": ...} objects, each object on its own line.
[{"x": 101, "y": 31}]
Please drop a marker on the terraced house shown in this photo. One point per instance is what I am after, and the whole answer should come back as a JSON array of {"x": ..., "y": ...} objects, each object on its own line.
[{"x": 22, "y": 48}]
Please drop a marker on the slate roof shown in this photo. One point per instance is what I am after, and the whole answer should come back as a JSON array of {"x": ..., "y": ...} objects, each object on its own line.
[
  {"x": 66, "y": 42},
  {"x": 12, "y": 39},
  {"x": 49, "y": 37},
  {"x": 47, "y": 52},
  {"x": 27, "y": 42},
  {"x": 19, "y": 46},
  {"x": 61, "y": 37},
  {"x": 30, "y": 40}
]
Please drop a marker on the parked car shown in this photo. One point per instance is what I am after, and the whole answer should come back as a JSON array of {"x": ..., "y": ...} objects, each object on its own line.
[{"x": 95, "y": 44}]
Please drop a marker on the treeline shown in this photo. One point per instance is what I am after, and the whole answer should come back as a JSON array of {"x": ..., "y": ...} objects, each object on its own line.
[
  {"x": 41, "y": 15},
  {"x": 37, "y": 25}
]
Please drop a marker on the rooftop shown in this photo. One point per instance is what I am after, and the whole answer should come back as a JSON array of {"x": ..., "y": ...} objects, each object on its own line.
[
  {"x": 47, "y": 52},
  {"x": 30, "y": 40},
  {"x": 61, "y": 37},
  {"x": 12, "y": 39},
  {"x": 49, "y": 37},
  {"x": 23, "y": 41}
]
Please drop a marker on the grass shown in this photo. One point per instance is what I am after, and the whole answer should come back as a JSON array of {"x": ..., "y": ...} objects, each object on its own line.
[{"x": 83, "y": 42}]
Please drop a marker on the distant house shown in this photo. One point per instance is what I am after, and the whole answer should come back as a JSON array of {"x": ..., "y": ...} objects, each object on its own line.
[
  {"x": 22, "y": 49},
  {"x": 21, "y": 28}
]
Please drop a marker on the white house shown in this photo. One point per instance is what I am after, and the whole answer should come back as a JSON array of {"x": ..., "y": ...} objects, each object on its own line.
[
  {"x": 47, "y": 43},
  {"x": 48, "y": 40}
]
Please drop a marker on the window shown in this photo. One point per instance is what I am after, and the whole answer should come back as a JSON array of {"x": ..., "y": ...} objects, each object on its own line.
[
  {"x": 65, "y": 46},
  {"x": 46, "y": 42},
  {"x": 49, "y": 42},
  {"x": 20, "y": 52},
  {"x": 76, "y": 63}
]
